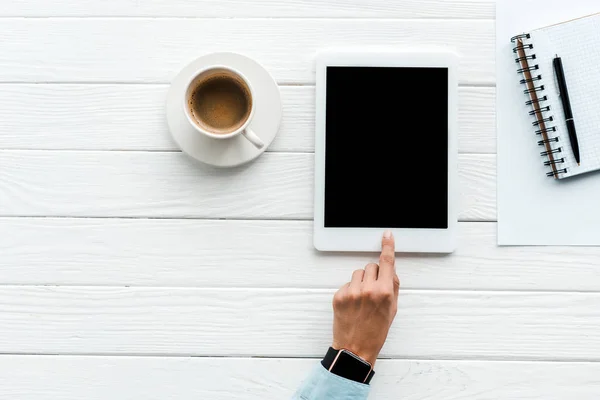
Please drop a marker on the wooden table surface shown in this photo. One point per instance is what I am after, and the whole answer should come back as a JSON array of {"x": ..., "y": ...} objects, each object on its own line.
[{"x": 129, "y": 272}]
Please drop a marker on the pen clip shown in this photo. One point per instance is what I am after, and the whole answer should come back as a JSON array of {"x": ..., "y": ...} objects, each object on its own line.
[{"x": 555, "y": 74}]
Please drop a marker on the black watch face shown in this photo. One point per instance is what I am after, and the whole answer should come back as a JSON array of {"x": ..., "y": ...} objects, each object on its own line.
[{"x": 351, "y": 367}]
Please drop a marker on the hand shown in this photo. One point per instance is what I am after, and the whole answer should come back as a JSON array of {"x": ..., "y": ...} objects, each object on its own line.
[{"x": 364, "y": 308}]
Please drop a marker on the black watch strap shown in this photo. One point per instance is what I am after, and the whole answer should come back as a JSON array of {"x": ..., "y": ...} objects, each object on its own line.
[{"x": 354, "y": 368}]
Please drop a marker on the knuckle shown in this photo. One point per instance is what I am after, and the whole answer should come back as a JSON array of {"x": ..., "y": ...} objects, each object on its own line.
[
  {"x": 369, "y": 293},
  {"x": 385, "y": 295},
  {"x": 337, "y": 302},
  {"x": 354, "y": 296},
  {"x": 339, "y": 298},
  {"x": 388, "y": 295}
]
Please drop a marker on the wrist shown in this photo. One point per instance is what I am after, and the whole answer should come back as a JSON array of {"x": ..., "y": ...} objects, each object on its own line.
[
  {"x": 368, "y": 356},
  {"x": 348, "y": 365}
]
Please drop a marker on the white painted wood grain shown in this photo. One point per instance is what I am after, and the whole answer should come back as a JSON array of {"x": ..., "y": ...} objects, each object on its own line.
[
  {"x": 134, "y": 252},
  {"x": 271, "y": 295},
  {"x": 263, "y": 8},
  {"x": 131, "y": 117},
  {"x": 154, "y": 50},
  {"x": 293, "y": 323},
  {"x": 168, "y": 378},
  {"x": 158, "y": 184}
]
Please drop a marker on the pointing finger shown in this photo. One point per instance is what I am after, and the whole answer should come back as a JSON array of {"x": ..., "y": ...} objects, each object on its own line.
[{"x": 387, "y": 260}]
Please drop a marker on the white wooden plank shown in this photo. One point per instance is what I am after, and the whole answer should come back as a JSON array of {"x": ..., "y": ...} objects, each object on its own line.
[
  {"x": 131, "y": 117},
  {"x": 151, "y": 378},
  {"x": 157, "y": 184},
  {"x": 134, "y": 252},
  {"x": 261, "y": 8},
  {"x": 293, "y": 323},
  {"x": 154, "y": 50}
]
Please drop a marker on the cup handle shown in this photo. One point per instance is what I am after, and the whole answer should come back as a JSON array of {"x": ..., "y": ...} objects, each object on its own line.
[{"x": 253, "y": 138}]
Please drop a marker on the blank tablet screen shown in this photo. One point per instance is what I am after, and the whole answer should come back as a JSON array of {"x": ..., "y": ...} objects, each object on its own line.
[{"x": 386, "y": 150}]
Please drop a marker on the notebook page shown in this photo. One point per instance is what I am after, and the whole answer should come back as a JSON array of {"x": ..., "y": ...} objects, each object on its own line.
[{"x": 577, "y": 42}]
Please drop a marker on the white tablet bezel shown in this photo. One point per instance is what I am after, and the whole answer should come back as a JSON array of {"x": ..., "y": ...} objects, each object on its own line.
[{"x": 369, "y": 239}]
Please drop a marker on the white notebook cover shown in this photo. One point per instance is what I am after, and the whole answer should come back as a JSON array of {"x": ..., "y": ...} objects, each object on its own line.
[{"x": 534, "y": 209}]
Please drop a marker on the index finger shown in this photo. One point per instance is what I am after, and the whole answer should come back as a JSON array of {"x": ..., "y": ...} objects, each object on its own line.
[{"x": 387, "y": 259}]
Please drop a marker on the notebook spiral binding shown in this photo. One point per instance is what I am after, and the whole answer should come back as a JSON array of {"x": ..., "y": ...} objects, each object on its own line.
[{"x": 525, "y": 57}]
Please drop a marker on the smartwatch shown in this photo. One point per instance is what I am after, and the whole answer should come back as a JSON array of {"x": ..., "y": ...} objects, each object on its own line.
[{"x": 348, "y": 365}]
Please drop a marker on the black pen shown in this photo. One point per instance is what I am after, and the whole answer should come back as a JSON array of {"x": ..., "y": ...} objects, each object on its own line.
[{"x": 564, "y": 98}]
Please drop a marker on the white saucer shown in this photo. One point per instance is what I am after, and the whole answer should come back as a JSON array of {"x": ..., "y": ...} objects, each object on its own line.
[{"x": 226, "y": 152}]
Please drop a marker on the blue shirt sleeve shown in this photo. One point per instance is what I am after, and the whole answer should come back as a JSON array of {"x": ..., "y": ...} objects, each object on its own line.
[{"x": 323, "y": 385}]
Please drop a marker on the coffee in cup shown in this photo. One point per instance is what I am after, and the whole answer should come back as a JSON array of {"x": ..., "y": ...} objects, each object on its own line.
[{"x": 219, "y": 103}]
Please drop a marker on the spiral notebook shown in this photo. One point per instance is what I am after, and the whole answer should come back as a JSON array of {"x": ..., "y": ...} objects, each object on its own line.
[
  {"x": 577, "y": 43},
  {"x": 532, "y": 208}
]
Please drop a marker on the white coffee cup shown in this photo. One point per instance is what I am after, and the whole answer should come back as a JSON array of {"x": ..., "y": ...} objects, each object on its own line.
[{"x": 241, "y": 127}]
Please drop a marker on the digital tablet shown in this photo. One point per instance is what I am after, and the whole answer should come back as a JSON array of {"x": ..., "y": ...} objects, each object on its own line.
[{"x": 386, "y": 150}]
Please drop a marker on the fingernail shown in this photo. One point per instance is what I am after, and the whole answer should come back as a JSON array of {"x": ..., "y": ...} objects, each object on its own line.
[{"x": 387, "y": 234}]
